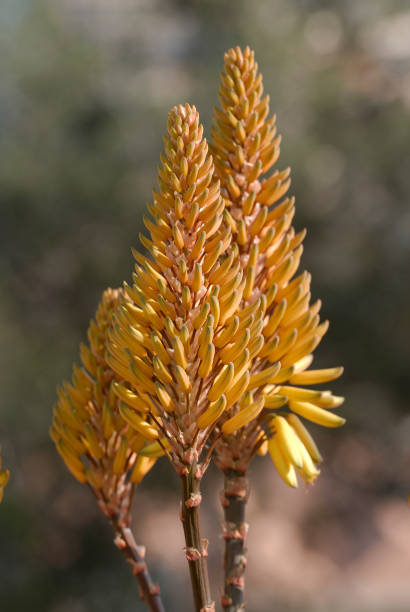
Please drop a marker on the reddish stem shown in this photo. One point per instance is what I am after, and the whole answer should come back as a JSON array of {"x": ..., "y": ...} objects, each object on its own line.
[{"x": 135, "y": 555}]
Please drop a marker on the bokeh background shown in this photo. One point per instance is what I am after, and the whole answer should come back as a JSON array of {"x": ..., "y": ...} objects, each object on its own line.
[{"x": 85, "y": 90}]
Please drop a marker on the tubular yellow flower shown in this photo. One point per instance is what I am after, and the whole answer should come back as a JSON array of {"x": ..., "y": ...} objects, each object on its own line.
[
  {"x": 284, "y": 466},
  {"x": 4, "y": 478},
  {"x": 100, "y": 425},
  {"x": 142, "y": 466},
  {"x": 187, "y": 361},
  {"x": 246, "y": 147}
]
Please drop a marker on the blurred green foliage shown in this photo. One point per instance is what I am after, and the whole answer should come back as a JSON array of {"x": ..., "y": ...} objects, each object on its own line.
[{"x": 85, "y": 90}]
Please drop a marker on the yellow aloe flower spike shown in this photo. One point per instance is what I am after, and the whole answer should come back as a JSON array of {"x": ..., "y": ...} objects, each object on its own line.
[
  {"x": 166, "y": 339},
  {"x": 100, "y": 429},
  {"x": 4, "y": 478},
  {"x": 246, "y": 147},
  {"x": 91, "y": 426}
]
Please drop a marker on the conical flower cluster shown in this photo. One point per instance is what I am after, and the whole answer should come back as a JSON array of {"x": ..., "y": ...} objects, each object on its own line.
[
  {"x": 4, "y": 478},
  {"x": 245, "y": 148},
  {"x": 97, "y": 444},
  {"x": 179, "y": 342}
]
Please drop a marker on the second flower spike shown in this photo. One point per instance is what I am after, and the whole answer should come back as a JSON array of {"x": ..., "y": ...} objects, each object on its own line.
[{"x": 246, "y": 147}]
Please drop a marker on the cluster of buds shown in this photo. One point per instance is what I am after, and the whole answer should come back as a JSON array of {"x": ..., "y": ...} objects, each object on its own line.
[
  {"x": 96, "y": 442},
  {"x": 4, "y": 478}
]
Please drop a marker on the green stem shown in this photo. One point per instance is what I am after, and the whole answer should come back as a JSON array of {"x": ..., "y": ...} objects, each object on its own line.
[
  {"x": 234, "y": 500},
  {"x": 196, "y": 548}
]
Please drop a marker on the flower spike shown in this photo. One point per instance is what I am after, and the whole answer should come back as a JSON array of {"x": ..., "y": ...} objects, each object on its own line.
[
  {"x": 94, "y": 431},
  {"x": 246, "y": 147},
  {"x": 167, "y": 335},
  {"x": 90, "y": 428}
]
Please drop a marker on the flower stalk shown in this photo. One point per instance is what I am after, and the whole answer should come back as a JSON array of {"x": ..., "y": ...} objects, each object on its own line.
[
  {"x": 135, "y": 556},
  {"x": 234, "y": 498},
  {"x": 196, "y": 550}
]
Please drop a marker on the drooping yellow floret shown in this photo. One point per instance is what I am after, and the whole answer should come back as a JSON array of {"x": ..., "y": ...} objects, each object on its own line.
[
  {"x": 99, "y": 426},
  {"x": 246, "y": 147}
]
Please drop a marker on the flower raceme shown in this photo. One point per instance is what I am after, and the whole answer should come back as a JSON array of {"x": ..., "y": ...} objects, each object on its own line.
[
  {"x": 97, "y": 444},
  {"x": 246, "y": 147},
  {"x": 100, "y": 447},
  {"x": 4, "y": 478},
  {"x": 179, "y": 341}
]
